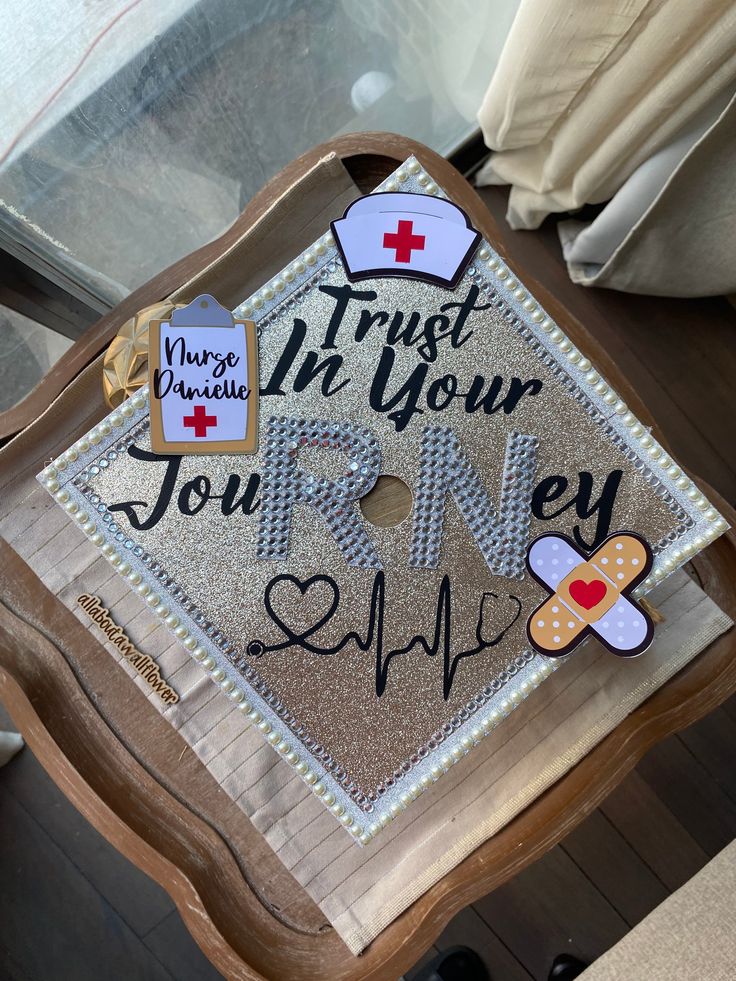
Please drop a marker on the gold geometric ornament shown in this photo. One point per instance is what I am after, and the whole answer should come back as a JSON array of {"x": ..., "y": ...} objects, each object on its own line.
[{"x": 125, "y": 365}]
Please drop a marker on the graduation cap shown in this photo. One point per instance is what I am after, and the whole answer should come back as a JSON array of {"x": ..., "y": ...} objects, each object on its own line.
[{"x": 414, "y": 236}]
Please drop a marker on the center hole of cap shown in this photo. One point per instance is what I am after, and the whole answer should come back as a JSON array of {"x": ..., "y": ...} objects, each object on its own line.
[{"x": 387, "y": 503}]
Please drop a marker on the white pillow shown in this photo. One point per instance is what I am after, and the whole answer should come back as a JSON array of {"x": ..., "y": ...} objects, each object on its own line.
[{"x": 596, "y": 242}]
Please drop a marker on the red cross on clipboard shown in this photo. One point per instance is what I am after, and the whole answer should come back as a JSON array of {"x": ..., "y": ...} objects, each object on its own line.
[{"x": 199, "y": 421}]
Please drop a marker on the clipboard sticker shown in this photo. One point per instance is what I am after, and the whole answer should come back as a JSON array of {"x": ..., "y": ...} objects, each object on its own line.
[{"x": 203, "y": 381}]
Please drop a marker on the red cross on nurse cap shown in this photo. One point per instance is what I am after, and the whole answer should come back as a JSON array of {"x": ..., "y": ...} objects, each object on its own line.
[{"x": 416, "y": 236}]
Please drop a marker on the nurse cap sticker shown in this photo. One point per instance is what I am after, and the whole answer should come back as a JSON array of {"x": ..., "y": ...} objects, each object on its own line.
[
  {"x": 414, "y": 236},
  {"x": 203, "y": 381}
]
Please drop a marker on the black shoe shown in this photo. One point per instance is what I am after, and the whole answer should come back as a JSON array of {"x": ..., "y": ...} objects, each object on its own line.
[
  {"x": 565, "y": 967},
  {"x": 455, "y": 964}
]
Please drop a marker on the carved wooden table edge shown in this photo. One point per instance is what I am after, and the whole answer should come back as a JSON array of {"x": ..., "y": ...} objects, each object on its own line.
[{"x": 699, "y": 687}]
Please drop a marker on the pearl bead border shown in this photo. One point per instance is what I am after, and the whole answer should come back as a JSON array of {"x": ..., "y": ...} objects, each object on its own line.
[
  {"x": 465, "y": 739},
  {"x": 266, "y": 303},
  {"x": 81, "y": 454},
  {"x": 618, "y": 415},
  {"x": 410, "y": 176},
  {"x": 76, "y": 458},
  {"x": 362, "y": 827},
  {"x": 303, "y": 269}
]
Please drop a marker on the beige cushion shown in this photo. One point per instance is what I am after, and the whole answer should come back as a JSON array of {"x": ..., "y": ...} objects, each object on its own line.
[
  {"x": 682, "y": 243},
  {"x": 690, "y": 935},
  {"x": 584, "y": 93}
]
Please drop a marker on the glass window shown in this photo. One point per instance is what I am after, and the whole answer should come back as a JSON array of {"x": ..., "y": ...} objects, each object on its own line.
[
  {"x": 133, "y": 132},
  {"x": 27, "y": 352}
]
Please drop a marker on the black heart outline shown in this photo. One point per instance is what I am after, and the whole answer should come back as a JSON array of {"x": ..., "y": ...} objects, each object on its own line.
[{"x": 303, "y": 588}]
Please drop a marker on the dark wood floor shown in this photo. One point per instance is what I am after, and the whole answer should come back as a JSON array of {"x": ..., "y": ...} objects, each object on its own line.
[
  {"x": 657, "y": 829},
  {"x": 72, "y": 909}
]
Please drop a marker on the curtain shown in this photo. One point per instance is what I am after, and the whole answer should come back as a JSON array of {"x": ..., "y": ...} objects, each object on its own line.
[
  {"x": 585, "y": 92},
  {"x": 446, "y": 50},
  {"x": 670, "y": 230}
]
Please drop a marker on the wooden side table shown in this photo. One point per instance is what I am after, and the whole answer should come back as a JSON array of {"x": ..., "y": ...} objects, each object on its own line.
[{"x": 132, "y": 775}]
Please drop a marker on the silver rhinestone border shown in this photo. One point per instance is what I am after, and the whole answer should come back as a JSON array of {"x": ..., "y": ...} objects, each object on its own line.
[{"x": 698, "y": 524}]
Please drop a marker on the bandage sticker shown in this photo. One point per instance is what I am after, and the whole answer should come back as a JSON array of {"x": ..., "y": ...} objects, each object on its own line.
[{"x": 590, "y": 594}]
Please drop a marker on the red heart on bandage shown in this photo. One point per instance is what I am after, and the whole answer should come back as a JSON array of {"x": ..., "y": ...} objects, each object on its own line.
[{"x": 588, "y": 594}]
